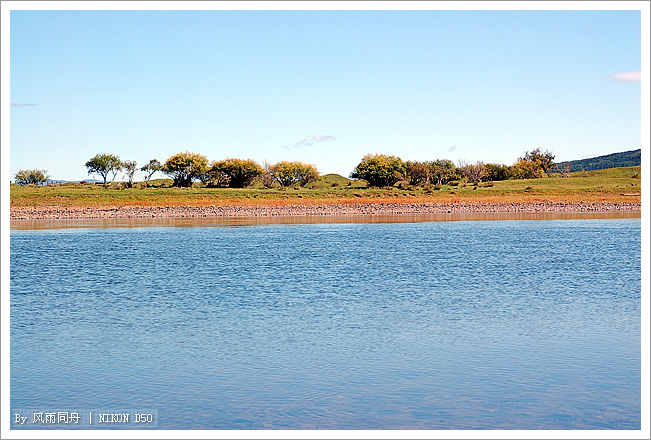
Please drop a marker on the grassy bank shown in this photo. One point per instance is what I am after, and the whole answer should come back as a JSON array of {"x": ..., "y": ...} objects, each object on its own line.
[{"x": 612, "y": 186}]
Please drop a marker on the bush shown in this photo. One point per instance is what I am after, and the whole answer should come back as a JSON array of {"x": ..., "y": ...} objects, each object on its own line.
[
  {"x": 497, "y": 172},
  {"x": 380, "y": 170},
  {"x": 186, "y": 167},
  {"x": 238, "y": 173},
  {"x": 31, "y": 177},
  {"x": 291, "y": 173},
  {"x": 525, "y": 169}
]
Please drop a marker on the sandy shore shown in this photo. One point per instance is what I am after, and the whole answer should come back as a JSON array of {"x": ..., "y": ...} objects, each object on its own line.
[{"x": 42, "y": 213}]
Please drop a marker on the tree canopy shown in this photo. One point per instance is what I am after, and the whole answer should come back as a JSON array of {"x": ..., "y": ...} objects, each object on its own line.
[
  {"x": 237, "y": 173},
  {"x": 186, "y": 167},
  {"x": 542, "y": 161},
  {"x": 130, "y": 167},
  {"x": 291, "y": 173},
  {"x": 150, "y": 168},
  {"x": 380, "y": 170},
  {"x": 104, "y": 165}
]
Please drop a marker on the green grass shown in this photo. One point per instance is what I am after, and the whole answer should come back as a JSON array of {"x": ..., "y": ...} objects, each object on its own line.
[{"x": 592, "y": 186}]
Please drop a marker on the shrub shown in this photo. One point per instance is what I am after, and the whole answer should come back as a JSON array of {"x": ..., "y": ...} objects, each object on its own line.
[
  {"x": 238, "y": 173},
  {"x": 291, "y": 173},
  {"x": 380, "y": 170},
  {"x": 186, "y": 167},
  {"x": 497, "y": 172},
  {"x": 31, "y": 177},
  {"x": 525, "y": 169}
]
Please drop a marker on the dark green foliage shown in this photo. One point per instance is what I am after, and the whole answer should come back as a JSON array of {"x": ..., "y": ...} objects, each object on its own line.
[
  {"x": 496, "y": 172},
  {"x": 104, "y": 165},
  {"x": 418, "y": 173},
  {"x": 443, "y": 171},
  {"x": 630, "y": 158}
]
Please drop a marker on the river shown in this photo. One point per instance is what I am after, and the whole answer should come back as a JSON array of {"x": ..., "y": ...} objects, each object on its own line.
[{"x": 496, "y": 324}]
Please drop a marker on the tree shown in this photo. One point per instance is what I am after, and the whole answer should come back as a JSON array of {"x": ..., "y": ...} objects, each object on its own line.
[
  {"x": 267, "y": 178},
  {"x": 185, "y": 167},
  {"x": 542, "y": 160},
  {"x": 526, "y": 169},
  {"x": 239, "y": 173},
  {"x": 290, "y": 173},
  {"x": 564, "y": 169},
  {"x": 496, "y": 172},
  {"x": 418, "y": 173},
  {"x": 130, "y": 167},
  {"x": 104, "y": 164},
  {"x": 149, "y": 169},
  {"x": 31, "y": 177},
  {"x": 380, "y": 170},
  {"x": 473, "y": 173},
  {"x": 443, "y": 171}
]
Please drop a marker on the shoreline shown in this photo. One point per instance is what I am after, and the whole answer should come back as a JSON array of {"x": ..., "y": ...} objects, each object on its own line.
[{"x": 308, "y": 210}]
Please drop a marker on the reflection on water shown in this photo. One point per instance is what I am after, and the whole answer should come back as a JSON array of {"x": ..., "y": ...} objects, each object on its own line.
[{"x": 252, "y": 221}]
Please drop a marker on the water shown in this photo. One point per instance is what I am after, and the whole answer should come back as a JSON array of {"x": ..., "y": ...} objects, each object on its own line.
[{"x": 433, "y": 325}]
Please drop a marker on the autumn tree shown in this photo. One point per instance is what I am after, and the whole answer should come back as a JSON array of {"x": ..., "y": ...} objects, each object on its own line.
[
  {"x": 526, "y": 169},
  {"x": 31, "y": 177},
  {"x": 291, "y": 173},
  {"x": 544, "y": 161},
  {"x": 238, "y": 173},
  {"x": 185, "y": 167},
  {"x": 380, "y": 170},
  {"x": 104, "y": 165}
]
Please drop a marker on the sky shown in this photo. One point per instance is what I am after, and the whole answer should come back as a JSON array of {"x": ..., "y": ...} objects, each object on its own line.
[{"x": 323, "y": 87}]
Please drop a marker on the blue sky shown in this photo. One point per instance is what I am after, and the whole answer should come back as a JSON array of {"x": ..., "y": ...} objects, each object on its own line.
[{"x": 322, "y": 87}]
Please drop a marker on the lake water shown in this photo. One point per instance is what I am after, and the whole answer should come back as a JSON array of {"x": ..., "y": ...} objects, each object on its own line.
[{"x": 427, "y": 325}]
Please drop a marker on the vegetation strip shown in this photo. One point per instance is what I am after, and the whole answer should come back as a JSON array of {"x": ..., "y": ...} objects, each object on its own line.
[{"x": 611, "y": 190}]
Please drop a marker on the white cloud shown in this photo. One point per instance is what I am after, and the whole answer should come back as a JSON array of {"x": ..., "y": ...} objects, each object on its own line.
[
  {"x": 626, "y": 77},
  {"x": 309, "y": 140}
]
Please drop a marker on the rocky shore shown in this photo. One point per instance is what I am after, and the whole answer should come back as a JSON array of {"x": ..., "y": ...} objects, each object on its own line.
[{"x": 125, "y": 212}]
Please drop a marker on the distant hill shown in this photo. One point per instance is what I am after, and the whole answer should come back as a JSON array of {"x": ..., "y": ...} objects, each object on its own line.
[{"x": 624, "y": 159}]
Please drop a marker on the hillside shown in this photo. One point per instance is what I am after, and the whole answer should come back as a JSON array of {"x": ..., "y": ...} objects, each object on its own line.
[{"x": 631, "y": 158}]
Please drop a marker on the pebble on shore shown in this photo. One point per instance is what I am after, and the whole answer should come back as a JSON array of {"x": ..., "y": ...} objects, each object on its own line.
[{"x": 125, "y": 212}]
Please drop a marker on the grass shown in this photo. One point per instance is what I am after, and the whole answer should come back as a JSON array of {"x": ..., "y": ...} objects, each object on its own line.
[{"x": 612, "y": 185}]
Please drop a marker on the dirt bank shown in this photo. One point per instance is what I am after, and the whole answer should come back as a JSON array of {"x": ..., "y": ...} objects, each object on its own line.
[{"x": 26, "y": 213}]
